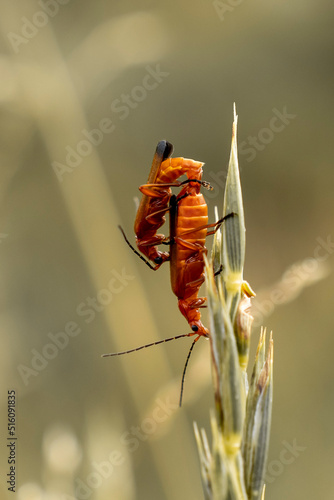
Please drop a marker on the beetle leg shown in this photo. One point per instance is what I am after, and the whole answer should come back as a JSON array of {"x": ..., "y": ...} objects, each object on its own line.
[
  {"x": 190, "y": 245},
  {"x": 196, "y": 303},
  {"x": 154, "y": 190},
  {"x": 157, "y": 239}
]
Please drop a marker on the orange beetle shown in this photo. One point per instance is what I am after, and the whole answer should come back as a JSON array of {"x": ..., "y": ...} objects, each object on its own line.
[
  {"x": 188, "y": 231},
  {"x": 155, "y": 200}
]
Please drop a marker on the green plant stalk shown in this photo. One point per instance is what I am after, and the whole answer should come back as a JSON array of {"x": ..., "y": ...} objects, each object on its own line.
[{"x": 234, "y": 467}]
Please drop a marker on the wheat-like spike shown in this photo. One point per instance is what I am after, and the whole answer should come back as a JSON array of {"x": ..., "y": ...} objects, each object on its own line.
[{"x": 234, "y": 468}]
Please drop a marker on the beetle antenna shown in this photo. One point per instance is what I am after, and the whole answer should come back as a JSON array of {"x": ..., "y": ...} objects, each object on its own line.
[
  {"x": 205, "y": 184},
  {"x": 185, "y": 369},
  {"x": 148, "y": 345},
  {"x": 135, "y": 251}
]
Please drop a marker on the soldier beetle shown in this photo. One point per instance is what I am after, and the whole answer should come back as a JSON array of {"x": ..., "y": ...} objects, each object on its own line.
[
  {"x": 188, "y": 231},
  {"x": 155, "y": 201}
]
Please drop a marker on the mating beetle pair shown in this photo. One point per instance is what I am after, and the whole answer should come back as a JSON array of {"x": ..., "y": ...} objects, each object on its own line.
[{"x": 188, "y": 214}]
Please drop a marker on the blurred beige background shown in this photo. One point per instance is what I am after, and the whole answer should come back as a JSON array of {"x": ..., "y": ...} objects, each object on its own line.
[{"x": 86, "y": 91}]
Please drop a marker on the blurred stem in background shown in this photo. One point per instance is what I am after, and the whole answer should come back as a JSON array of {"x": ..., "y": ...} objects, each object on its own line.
[{"x": 234, "y": 468}]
